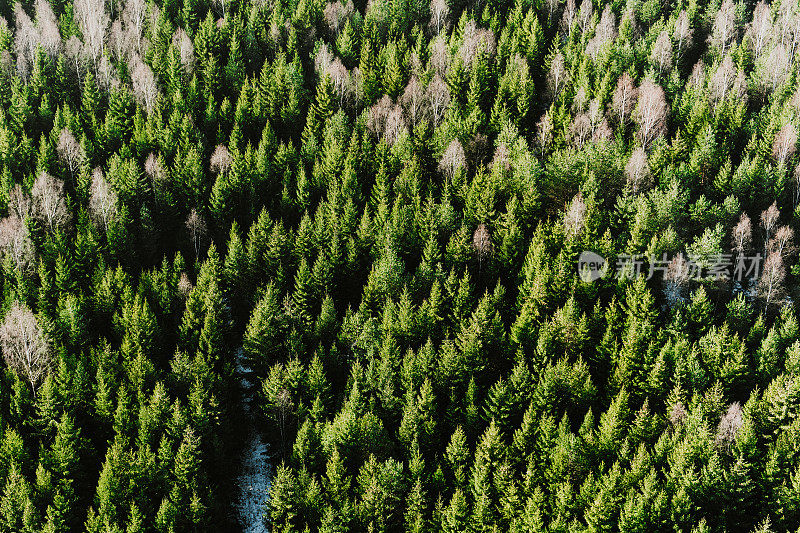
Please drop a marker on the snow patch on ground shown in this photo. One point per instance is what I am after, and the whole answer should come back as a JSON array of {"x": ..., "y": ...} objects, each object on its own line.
[{"x": 254, "y": 477}]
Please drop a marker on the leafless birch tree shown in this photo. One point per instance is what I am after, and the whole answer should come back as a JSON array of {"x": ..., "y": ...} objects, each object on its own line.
[
  {"x": 25, "y": 346},
  {"x": 624, "y": 98},
  {"x": 16, "y": 244},
  {"x": 637, "y": 170},
  {"x": 103, "y": 199},
  {"x": 651, "y": 113},
  {"x": 69, "y": 151},
  {"x": 49, "y": 205},
  {"x": 785, "y": 143}
]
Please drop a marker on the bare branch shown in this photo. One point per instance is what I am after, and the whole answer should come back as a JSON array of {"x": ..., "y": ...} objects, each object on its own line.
[
  {"x": 785, "y": 143},
  {"x": 452, "y": 159},
  {"x": 48, "y": 201},
  {"x": 196, "y": 226},
  {"x": 145, "y": 87},
  {"x": 729, "y": 426},
  {"x": 221, "y": 160},
  {"x": 638, "y": 171},
  {"x": 724, "y": 29},
  {"x": 438, "y": 94},
  {"x": 575, "y": 216},
  {"x": 651, "y": 113},
  {"x": 16, "y": 244},
  {"x": 742, "y": 234},
  {"x": 440, "y": 13},
  {"x": 624, "y": 99},
  {"x": 102, "y": 199},
  {"x": 25, "y": 347},
  {"x": 770, "y": 285},
  {"x": 683, "y": 31},
  {"x": 769, "y": 219},
  {"x": 661, "y": 55}
]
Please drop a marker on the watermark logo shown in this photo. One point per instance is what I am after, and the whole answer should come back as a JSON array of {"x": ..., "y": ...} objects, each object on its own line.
[
  {"x": 591, "y": 266},
  {"x": 676, "y": 269}
]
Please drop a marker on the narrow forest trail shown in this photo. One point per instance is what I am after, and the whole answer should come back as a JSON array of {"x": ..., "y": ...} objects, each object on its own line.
[{"x": 254, "y": 474}]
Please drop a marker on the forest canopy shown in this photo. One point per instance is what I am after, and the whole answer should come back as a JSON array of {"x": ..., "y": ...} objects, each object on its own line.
[{"x": 492, "y": 265}]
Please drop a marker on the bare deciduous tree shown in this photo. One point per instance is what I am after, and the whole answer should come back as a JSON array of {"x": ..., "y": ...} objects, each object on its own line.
[
  {"x": 48, "y": 201},
  {"x": 25, "y": 40},
  {"x": 134, "y": 14},
  {"x": 558, "y": 76},
  {"x": 221, "y": 159},
  {"x": 760, "y": 29},
  {"x": 568, "y": 17},
  {"x": 785, "y": 143},
  {"x": 183, "y": 43},
  {"x": 482, "y": 242},
  {"x": 722, "y": 80},
  {"x": 585, "y": 13},
  {"x": 661, "y": 55},
  {"x": 452, "y": 159},
  {"x": 341, "y": 80},
  {"x": 637, "y": 170},
  {"x": 683, "y": 31},
  {"x": 502, "y": 157},
  {"x": 575, "y": 216},
  {"x": 395, "y": 125},
  {"x": 624, "y": 99},
  {"x": 103, "y": 198},
  {"x": 378, "y": 113},
  {"x": 796, "y": 175},
  {"x": 144, "y": 83},
  {"x": 580, "y": 100},
  {"x": 476, "y": 40},
  {"x": 336, "y": 14},
  {"x": 47, "y": 26},
  {"x": 283, "y": 410},
  {"x": 676, "y": 279},
  {"x": 769, "y": 219},
  {"x": 196, "y": 226},
  {"x": 776, "y": 68},
  {"x": 602, "y": 132},
  {"x": 440, "y": 11},
  {"x": 770, "y": 285},
  {"x": 742, "y": 234},
  {"x": 678, "y": 414},
  {"x": 551, "y": 6},
  {"x": 322, "y": 59},
  {"x": 698, "y": 75},
  {"x": 440, "y": 56},
  {"x": 544, "y": 132},
  {"x": 789, "y": 24},
  {"x": 782, "y": 242},
  {"x": 74, "y": 51},
  {"x": 69, "y": 150},
  {"x": 604, "y": 33},
  {"x": 16, "y": 243},
  {"x": 581, "y": 129},
  {"x": 724, "y": 28},
  {"x": 651, "y": 113},
  {"x": 153, "y": 168},
  {"x": 25, "y": 346},
  {"x": 438, "y": 94},
  {"x": 729, "y": 426},
  {"x": 93, "y": 21},
  {"x": 185, "y": 285},
  {"x": 413, "y": 99},
  {"x": 595, "y": 112},
  {"x": 19, "y": 202}
]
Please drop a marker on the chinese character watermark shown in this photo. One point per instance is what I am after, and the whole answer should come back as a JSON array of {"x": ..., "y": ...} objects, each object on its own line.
[{"x": 678, "y": 268}]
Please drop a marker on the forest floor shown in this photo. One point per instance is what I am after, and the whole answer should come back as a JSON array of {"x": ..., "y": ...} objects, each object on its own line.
[{"x": 254, "y": 475}]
